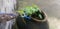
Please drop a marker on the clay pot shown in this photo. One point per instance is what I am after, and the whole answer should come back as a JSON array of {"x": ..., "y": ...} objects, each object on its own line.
[{"x": 33, "y": 23}]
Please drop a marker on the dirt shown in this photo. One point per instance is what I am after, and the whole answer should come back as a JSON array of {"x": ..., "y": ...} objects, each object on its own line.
[{"x": 54, "y": 23}]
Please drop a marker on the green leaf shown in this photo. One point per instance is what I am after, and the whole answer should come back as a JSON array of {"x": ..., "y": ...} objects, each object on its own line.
[{"x": 40, "y": 16}]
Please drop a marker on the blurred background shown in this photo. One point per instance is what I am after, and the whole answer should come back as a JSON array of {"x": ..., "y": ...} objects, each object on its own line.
[{"x": 50, "y": 7}]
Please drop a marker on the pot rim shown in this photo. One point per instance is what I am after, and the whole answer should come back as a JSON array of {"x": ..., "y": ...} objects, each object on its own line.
[{"x": 41, "y": 20}]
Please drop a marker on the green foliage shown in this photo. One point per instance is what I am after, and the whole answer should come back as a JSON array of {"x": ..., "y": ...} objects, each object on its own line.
[
  {"x": 28, "y": 10},
  {"x": 21, "y": 12},
  {"x": 31, "y": 9}
]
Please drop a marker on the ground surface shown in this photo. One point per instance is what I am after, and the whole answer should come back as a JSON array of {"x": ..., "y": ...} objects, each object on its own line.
[{"x": 54, "y": 23}]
